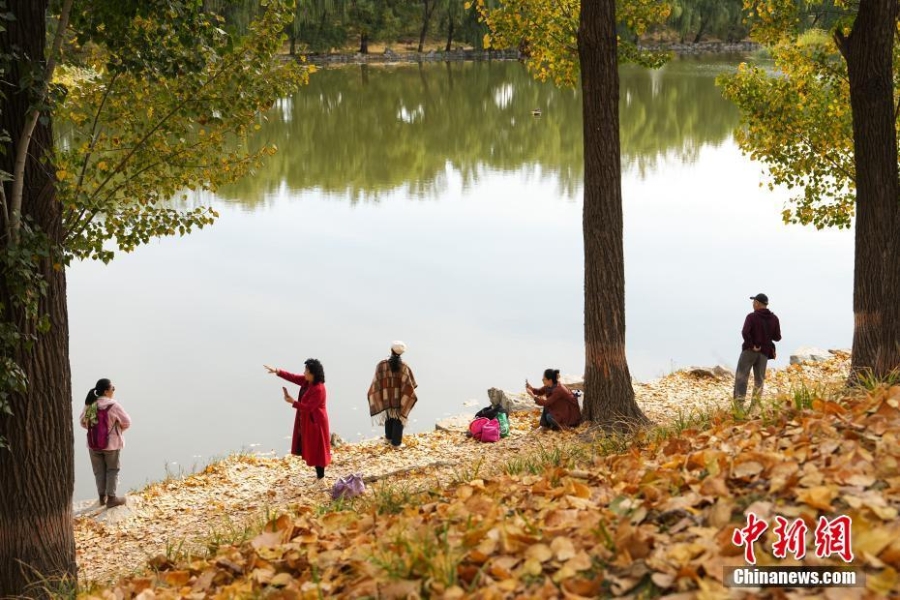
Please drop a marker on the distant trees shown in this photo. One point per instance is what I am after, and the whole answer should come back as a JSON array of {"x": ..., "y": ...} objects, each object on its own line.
[
  {"x": 694, "y": 19},
  {"x": 326, "y": 25}
]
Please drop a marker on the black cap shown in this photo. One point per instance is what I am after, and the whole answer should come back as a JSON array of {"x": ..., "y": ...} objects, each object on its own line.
[{"x": 760, "y": 298}]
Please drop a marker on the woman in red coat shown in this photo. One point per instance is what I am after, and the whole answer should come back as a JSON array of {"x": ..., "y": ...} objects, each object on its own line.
[{"x": 312, "y": 438}]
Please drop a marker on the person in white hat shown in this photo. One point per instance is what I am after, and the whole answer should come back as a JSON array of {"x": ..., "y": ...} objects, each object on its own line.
[{"x": 392, "y": 394}]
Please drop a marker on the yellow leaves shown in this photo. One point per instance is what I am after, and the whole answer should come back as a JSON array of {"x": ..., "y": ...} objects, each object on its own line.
[
  {"x": 562, "y": 548},
  {"x": 746, "y": 470},
  {"x": 818, "y": 497},
  {"x": 539, "y": 552},
  {"x": 872, "y": 541},
  {"x": 176, "y": 578},
  {"x": 884, "y": 583},
  {"x": 600, "y": 525}
]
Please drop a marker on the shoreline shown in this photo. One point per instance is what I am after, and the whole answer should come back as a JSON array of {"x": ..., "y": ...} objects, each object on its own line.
[
  {"x": 664, "y": 399},
  {"x": 389, "y": 56},
  {"x": 223, "y": 502}
]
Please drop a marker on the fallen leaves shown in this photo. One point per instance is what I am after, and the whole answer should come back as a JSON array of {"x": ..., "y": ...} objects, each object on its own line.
[{"x": 656, "y": 518}]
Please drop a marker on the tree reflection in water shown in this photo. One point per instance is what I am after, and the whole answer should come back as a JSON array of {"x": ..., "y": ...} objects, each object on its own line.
[{"x": 359, "y": 131}]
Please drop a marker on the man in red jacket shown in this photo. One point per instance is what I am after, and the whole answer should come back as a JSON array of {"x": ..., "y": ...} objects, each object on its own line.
[{"x": 761, "y": 329}]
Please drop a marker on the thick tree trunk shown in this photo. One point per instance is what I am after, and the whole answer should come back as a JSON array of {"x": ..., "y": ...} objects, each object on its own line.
[
  {"x": 37, "y": 547},
  {"x": 609, "y": 396},
  {"x": 364, "y": 43},
  {"x": 876, "y": 282},
  {"x": 427, "y": 9}
]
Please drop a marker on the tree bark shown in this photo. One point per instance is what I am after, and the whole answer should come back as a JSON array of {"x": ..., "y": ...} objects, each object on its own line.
[
  {"x": 609, "y": 396},
  {"x": 427, "y": 9},
  {"x": 701, "y": 30},
  {"x": 876, "y": 281},
  {"x": 364, "y": 43},
  {"x": 449, "y": 46},
  {"x": 37, "y": 547}
]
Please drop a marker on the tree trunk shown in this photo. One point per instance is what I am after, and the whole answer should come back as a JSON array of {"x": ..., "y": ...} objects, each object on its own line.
[
  {"x": 293, "y": 50},
  {"x": 427, "y": 9},
  {"x": 876, "y": 282},
  {"x": 700, "y": 31},
  {"x": 364, "y": 43},
  {"x": 449, "y": 46},
  {"x": 37, "y": 547},
  {"x": 609, "y": 396}
]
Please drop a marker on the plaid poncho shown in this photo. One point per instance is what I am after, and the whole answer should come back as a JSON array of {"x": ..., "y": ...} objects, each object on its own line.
[{"x": 392, "y": 395}]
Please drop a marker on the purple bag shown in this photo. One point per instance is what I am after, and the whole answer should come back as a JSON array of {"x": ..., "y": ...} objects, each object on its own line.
[
  {"x": 98, "y": 434},
  {"x": 349, "y": 486}
]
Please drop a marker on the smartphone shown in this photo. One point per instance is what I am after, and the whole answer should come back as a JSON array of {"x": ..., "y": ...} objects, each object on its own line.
[{"x": 286, "y": 395}]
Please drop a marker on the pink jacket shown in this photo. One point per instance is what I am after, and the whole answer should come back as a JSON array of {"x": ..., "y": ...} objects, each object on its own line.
[{"x": 119, "y": 421}]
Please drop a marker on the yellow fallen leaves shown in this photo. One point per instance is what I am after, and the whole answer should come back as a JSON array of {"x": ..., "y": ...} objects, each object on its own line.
[{"x": 655, "y": 519}]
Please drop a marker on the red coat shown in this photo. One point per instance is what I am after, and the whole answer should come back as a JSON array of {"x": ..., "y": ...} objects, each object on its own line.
[
  {"x": 560, "y": 403},
  {"x": 312, "y": 437}
]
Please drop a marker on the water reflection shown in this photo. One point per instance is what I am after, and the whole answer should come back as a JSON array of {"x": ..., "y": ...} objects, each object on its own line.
[
  {"x": 357, "y": 133},
  {"x": 485, "y": 284}
]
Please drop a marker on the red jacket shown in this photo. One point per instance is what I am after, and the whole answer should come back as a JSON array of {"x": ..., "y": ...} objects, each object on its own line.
[
  {"x": 312, "y": 436},
  {"x": 560, "y": 403}
]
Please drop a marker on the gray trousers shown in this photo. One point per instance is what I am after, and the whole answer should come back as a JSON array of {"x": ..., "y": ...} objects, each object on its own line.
[
  {"x": 105, "y": 464},
  {"x": 750, "y": 360}
]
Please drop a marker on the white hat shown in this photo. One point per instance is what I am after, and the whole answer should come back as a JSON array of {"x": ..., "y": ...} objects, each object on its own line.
[{"x": 398, "y": 347}]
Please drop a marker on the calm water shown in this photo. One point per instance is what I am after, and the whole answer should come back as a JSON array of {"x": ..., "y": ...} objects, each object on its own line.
[{"x": 427, "y": 204}]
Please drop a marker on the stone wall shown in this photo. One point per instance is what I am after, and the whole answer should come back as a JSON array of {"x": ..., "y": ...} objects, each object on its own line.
[{"x": 390, "y": 56}]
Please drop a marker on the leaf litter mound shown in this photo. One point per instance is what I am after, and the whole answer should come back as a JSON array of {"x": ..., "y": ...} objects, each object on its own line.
[{"x": 555, "y": 515}]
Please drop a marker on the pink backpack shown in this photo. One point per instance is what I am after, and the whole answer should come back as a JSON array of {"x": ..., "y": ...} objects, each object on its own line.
[
  {"x": 485, "y": 430},
  {"x": 98, "y": 434}
]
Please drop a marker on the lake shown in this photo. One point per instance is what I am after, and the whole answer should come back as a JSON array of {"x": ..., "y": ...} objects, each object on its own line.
[{"x": 427, "y": 204}]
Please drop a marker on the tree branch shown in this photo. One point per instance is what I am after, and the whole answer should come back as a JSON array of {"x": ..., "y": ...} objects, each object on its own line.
[
  {"x": 156, "y": 128},
  {"x": 95, "y": 132},
  {"x": 18, "y": 191}
]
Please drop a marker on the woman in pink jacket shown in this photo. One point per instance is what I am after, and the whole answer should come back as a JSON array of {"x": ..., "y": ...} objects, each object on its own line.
[{"x": 100, "y": 409}]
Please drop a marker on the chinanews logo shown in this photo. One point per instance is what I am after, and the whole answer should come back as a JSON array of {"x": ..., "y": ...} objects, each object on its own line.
[{"x": 832, "y": 538}]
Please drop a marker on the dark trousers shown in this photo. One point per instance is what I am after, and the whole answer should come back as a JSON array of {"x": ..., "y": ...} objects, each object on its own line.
[
  {"x": 320, "y": 472},
  {"x": 105, "y": 464},
  {"x": 750, "y": 361},
  {"x": 393, "y": 431},
  {"x": 548, "y": 421}
]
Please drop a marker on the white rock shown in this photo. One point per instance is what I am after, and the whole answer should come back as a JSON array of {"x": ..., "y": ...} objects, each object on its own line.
[
  {"x": 809, "y": 354},
  {"x": 457, "y": 424},
  {"x": 511, "y": 401}
]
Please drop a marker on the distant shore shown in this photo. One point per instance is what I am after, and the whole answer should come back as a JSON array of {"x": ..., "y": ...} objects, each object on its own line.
[{"x": 389, "y": 56}]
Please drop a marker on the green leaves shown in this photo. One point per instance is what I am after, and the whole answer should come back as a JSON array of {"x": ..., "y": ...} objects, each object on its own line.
[
  {"x": 797, "y": 120},
  {"x": 139, "y": 135},
  {"x": 546, "y": 31}
]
